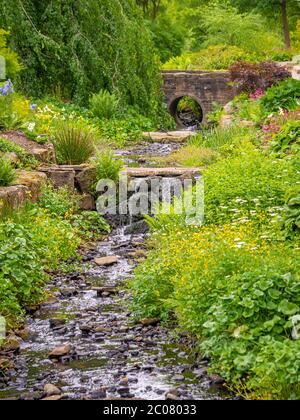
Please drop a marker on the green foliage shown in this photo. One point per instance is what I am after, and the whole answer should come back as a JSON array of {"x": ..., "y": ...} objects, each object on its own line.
[
  {"x": 215, "y": 25},
  {"x": 288, "y": 138},
  {"x": 247, "y": 109},
  {"x": 104, "y": 105},
  {"x": 30, "y": 243},
  {"x": 126, "y": 129},
  {"x": 107, "y": 166},
  {"x": 214, "y": 117},
  {"x": 26, "y": 160},
  {"x": 234, "y": 282},
  {"x": 90, "y": 224},
  {"x": 255, "y": 312},
  {"x": 291, "y": 215},
  {"x": 191, "y": 104},
  {"x": 7, "y": 173},
  {"x": 168, "y": 37},
  {"x": 193, "y": 156},
  {"x": 246, "y": 184},
  {"x": 74, "y": 143},
  {"x": 216, "y": 57},
  {"x": 59, "y": 202},
  {"x": 79, "y": 48},
  {"x": 284, "y": 95},
  {"x": 12, "y": 62},
  {"x": 8, "y": 119},
  {"x": 221, "y": 139}
]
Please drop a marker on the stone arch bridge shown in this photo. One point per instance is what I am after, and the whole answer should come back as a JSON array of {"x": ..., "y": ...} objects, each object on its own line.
[{"x": 205, "y": 87}]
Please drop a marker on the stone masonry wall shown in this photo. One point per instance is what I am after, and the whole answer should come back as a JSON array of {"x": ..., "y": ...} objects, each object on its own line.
[{"x": 205, "y": 87}]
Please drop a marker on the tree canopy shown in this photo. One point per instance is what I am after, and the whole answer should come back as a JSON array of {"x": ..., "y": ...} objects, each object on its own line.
[{"x": 80, "y": 47}]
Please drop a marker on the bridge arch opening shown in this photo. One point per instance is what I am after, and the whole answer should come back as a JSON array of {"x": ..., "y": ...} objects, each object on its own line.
[{"x": 187, "y": 112}]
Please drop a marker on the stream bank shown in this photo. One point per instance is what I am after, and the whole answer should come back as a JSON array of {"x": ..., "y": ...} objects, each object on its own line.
[{"x": 85, "y": 344}]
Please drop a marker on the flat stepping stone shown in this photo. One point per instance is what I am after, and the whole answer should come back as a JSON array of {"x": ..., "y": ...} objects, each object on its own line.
[
  {"x": 169, "y": 137},
  {"x": 106, "y": 261},
  {"x": 162, "y": 172}
]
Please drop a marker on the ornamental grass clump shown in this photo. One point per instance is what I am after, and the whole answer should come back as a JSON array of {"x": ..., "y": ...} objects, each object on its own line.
[{"x": 74, "y": 143}]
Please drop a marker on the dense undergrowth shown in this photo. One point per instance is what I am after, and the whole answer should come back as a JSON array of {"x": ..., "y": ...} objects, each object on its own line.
[
  {"x": 234, "y": 282},
  {"x": 38, "y": 240}
]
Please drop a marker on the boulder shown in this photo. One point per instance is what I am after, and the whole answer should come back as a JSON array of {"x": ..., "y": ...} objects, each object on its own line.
[
  {"x": 12, "y": 157},
  {"x": 60, "y": 351},
  {"x": 41, "y": 152},
  {"x": 57, "y": 322},
  {"x": 51, "y": 390},
  {"x": 12, "y": 344},
  {"x": 146, "y": 322},
  {"x": 85, "y": 179},
  {"x": 87, "y": 203},
  {"x": 60, "y": 178},
  {"x": 33, "y": 181},
  {"x": 14, "y": 197},
  {"x": 105, "y": 291}
]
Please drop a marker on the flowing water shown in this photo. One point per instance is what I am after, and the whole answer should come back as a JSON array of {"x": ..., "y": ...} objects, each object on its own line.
[{"x": 111, "y": 355}]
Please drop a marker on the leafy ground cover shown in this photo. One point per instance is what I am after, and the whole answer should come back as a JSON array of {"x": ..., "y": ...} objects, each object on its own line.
[
  {"x": 37, "y": 240},
  {"x": 234, "y": 282}
]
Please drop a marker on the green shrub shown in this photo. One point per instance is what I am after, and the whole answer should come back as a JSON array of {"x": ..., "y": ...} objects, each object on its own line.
[
  {"x": 90, "y": 224},
  {"x": 59, "y": 202},
  {"x": 246, "y": 184},
  {"x": 168, "y": 37},
  {"x": 7, "y": 173},
  {"x": 214, "y": 117},
  {"x": 104, "y": 105},
  {"x": 287, "y": 139},
  {"x": 21, "y": 277},
  {"x": 107, "y": 166},
  {"x": 217, "y": 57},
  {"x": 284, "y": 95},
  {"x": 247, "y": 109},
  {"x": 126, "y": 129},
  {"x": 13, "y": 65},
  {"x": 74, "y": 143},
  {"x": 236, "y": 290},
  {"x": 291, "y": 214},
  {"x": 8, "y": 119},
  {"x": 31, "y": 243},
  {"x": 216, "y": 24}
]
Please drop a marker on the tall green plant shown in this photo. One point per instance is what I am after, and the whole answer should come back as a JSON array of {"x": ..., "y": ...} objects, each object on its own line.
[
  {"x": 104, "y": 104},
  {"x": 7, "y": 173},
  {"x": 74, "y": 143},
  {"x": 107, "y": 166}
]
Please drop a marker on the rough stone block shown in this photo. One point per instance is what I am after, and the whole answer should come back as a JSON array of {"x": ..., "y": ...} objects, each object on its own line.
[
  {"x": 84, "y": 179},
  {"x": 87, "y": 203},
  {"x": 60, "y": 178},
  {"x": 33, "y": 181},
  {"x": 14, "y": 196}
]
